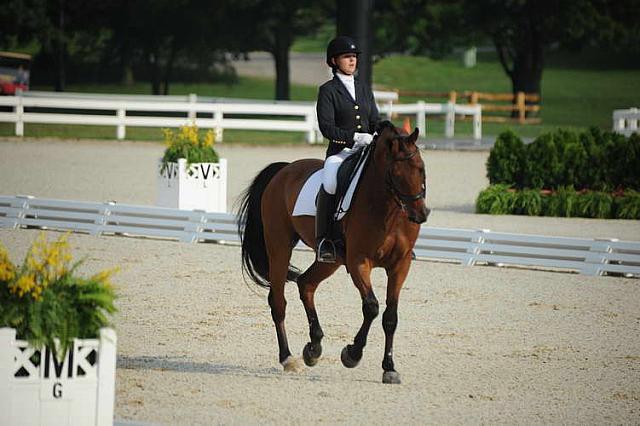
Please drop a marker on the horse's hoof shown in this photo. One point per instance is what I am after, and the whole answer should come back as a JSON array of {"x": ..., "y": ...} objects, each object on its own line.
[
  {"x": 311, "y": 354},
  {"x": 291, "y": 365},
  {"x": 391, "y": 377},
  {"x": 347, "y": 361}
]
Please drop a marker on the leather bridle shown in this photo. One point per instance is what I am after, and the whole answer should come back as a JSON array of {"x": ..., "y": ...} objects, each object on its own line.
[{"x": 403, "y": 199}]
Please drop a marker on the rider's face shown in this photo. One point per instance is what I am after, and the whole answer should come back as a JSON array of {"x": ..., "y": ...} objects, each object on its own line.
[{"x": 346, "y": 63}]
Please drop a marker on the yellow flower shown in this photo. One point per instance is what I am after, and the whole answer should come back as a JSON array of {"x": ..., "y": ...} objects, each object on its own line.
[
  {"x": 168, "y": 136},
  {"x": 104, "y": 277},
  {"x": 7, "y": 270},
  {"x": 48, "y": 262},
  {"x": 209, "y": 138},
  {"x": 23, "y": 285}
]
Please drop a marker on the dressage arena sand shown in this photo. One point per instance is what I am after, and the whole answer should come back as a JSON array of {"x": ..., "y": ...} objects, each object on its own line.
[{"x": 474, "y": 345}]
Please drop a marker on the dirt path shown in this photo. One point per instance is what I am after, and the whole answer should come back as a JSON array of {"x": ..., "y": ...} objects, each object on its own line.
[{"x": 474, "y": 345}]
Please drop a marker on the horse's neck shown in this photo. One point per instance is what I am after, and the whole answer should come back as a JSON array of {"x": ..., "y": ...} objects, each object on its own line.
[{"x": 374, "y": 189}]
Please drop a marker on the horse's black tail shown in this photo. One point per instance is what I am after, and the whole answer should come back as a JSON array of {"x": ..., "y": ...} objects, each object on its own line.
[{"x": 255, "y": 260}]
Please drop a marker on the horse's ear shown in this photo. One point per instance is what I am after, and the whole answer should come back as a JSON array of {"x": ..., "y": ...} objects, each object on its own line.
[{"x": 413, "y": 137}]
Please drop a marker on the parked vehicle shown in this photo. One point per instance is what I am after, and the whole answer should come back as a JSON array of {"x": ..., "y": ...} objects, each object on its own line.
[{"x": 14, "y": 72}]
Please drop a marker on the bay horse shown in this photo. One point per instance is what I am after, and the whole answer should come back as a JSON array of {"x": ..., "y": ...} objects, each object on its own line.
[{"x": 380, "y": 230}]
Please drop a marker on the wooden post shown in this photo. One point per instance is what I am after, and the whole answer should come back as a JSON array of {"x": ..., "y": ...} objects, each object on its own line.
[
  {"x": 520, "y": 105},
  {"x": 474, "y": 98},
  {"x": 453, "y": 96}
]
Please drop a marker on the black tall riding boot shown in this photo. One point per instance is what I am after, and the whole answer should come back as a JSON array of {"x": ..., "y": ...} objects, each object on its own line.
[{"x": 326, "y": 249}]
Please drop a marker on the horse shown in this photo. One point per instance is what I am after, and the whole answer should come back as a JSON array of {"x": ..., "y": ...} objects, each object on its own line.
[{"x": 380, "y": 230}]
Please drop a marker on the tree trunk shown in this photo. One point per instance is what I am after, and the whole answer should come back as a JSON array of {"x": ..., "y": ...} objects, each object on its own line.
[
  {"x": 281, "y": 57},
  {"x": 125, "y": 45},
  {"x": 169, "y": 66},
  {"x": 62, "y": 47},
  {"x": 155, "y": 73}
]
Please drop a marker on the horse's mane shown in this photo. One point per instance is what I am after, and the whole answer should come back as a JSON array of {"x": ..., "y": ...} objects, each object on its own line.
[{"x": 386, "y": 124}]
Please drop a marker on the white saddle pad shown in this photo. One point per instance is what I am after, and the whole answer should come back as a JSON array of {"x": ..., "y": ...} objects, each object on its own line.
[{"x": 306, "y": 201}]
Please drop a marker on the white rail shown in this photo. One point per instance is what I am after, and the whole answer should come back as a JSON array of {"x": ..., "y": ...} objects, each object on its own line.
[
  {"x": 625, "y": 121},
  {"x": 449, "y": 110},
  {"x": 466, "y": 246},
  {"x": 215, "y": 113}
]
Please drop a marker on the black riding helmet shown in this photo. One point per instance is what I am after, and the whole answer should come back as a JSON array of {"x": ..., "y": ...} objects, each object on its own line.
[{"x": 340, "y": 45}]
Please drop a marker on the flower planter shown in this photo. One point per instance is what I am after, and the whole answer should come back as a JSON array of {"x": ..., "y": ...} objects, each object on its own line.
[
  {"x": 38, "y": 389},
  {"x": 201, "y": 186}
]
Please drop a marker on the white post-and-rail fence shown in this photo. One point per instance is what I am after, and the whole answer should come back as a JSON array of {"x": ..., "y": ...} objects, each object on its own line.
[
  {"x": 466, "y": 246},
  {"x": 219, "y": 114},
  {"x": 625, "y": 121}
]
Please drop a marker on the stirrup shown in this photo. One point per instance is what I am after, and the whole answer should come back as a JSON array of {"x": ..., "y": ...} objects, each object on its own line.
[{"x": 326, "y": 251}]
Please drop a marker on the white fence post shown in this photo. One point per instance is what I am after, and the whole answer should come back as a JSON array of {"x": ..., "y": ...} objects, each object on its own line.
[
  {"x": 121, "y": 132},
  {"x": 19, "y": 116},
  {"x": 193, "y": 99},
  {"x": 218, "y": 117},
  {"x": 450, "y": 120},
  {"x": 310, "y": 119},
  {"x": 421, "y": 121},
  {"x": 477, "y": 123}
]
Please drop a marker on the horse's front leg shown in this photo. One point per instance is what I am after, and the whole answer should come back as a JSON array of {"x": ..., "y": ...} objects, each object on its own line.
[
  {"x": 396, "y": 277},
  {"x": 361, "y": 276},
  {"x": 307, "y": 284}
]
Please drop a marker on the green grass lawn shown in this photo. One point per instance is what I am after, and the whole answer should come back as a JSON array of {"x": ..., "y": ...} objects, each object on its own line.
[{"x": 573, "y": 97}]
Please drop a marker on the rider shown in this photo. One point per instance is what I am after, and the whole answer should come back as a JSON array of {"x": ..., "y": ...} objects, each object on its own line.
[{"x": 347, "y": 116}]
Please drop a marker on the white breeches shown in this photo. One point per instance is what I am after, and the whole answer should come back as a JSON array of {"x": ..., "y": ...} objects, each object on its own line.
[{"x": 330, "y": 170}]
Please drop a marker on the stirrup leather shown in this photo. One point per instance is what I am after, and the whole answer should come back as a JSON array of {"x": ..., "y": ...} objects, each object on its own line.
[{"x": 326, "y": 251}]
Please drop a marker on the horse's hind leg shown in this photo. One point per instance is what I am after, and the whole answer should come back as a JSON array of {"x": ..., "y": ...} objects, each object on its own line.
[
  {"x": 279, "y": 249},
  {"x": 307, "y": 284}
]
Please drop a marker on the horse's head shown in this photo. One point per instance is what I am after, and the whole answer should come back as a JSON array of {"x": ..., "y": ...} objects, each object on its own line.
[{"x": 405, "y": 175}]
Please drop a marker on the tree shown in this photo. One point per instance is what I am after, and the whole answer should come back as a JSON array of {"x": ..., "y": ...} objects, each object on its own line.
[
  {"x": 274, "y": 25},
  {"x": 522, "y": 31}
]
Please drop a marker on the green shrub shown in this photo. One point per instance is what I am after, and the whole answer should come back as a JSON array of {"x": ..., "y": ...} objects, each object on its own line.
[
  {"x": 592, "y": 175},
  {"x": 496, "y": 199},
  {"x": 505, "y": 164},
  {"x": 543, "y": 165},
  {"x": 562, "y": 202},
  {"x": 623, "y": 167},
  {"x": 628, "y": 205},
  {"x": 595, "y": 204},
  {"x": 528, "y": 202},
  {"x": 593, "y": 160},
  {"x": 44, "y": 299}
]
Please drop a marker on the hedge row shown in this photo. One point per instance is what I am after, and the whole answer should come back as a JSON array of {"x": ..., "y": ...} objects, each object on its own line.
[
  {"x": 564, "y": 202},
  {"x": 595, "y": 160}
]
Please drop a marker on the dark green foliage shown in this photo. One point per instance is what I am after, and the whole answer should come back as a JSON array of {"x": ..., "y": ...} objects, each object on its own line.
[
  {"x": 628, "y": 206},
  {"x": 543, "y": 166},
  {"x": 565, "y": 202},
  {"x": 528, "y": 202},
  {"x": 593, "y": 160},
  {"x": 496, "y": 199},
  {"x": 595, "y": 204},
  {"x": 506, "y": 160}
]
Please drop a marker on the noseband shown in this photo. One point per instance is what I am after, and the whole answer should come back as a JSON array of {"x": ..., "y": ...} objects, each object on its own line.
[{"x": 403, "y": 199}]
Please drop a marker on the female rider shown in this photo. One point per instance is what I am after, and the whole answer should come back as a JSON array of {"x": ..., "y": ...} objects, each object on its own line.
[{"x": 347, "y": 116}]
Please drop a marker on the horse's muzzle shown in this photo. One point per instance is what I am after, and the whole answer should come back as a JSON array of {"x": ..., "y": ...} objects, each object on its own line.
[{"x": 420, "y": 215}]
